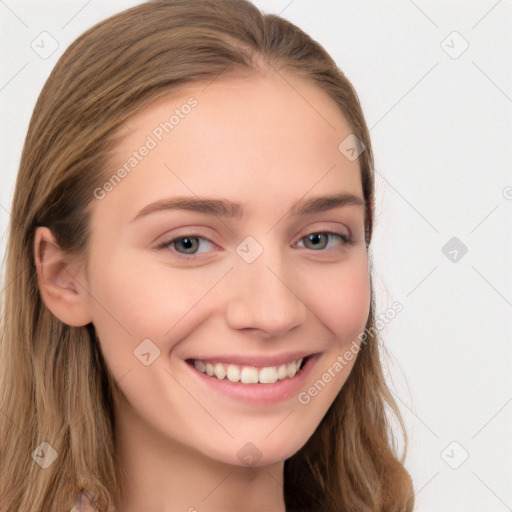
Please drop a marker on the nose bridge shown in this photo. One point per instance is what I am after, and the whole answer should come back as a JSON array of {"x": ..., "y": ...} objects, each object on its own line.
[{"x": 262, "y": 297}]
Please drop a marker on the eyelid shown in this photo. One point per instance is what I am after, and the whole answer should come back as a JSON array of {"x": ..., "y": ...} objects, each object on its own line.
[{"x": 185, "y": 231}]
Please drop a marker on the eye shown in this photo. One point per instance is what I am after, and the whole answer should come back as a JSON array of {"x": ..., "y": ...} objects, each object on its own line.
[
  {"x": 186, "y": 246},
  {"x": 188, "y": 243},
  {"x": 320, "y": 240}
]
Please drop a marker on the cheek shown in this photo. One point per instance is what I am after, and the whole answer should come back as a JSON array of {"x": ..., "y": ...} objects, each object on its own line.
[
  {"x": 134, "y": 300},
  {"x": 342, "y": 306},
  {"x": 342, "y": 302}
]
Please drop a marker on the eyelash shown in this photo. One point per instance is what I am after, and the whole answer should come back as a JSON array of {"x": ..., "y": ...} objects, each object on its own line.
[{"x": 346, "y": 240}]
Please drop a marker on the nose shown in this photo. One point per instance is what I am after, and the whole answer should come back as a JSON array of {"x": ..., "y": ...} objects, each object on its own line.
[{"x": 264, "y": 298}]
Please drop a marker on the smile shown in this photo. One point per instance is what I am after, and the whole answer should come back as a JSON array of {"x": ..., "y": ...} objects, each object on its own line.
[
  {"x": 258, "y": 380},
  {"x": 249, "y": 374}
]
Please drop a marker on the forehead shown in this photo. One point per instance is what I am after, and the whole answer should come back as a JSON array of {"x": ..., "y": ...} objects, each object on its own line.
[{"x": 236, "y": 137}]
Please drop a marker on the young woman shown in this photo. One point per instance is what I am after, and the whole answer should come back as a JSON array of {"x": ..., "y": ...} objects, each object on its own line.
[{"x": 189, "y": 319}]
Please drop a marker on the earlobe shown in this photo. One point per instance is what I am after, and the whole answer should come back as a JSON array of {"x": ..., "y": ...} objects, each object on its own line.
[{"x": 61, "y": 283}]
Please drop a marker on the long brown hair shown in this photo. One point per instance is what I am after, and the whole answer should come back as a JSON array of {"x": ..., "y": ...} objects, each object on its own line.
[{"x": 54, "y": 383}]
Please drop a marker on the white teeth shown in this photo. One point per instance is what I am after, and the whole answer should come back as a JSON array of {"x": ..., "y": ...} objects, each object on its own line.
[
  {"x": 268, "y": 375},
  {"x": 200, "y": 365},
  {"x": 282, "y": 372},
  {"x": 249, "y": 374},
  {"x": 219, "y": 371},
  {"x": 233, "y": 373},
  {"x": 292, "y": 369}
]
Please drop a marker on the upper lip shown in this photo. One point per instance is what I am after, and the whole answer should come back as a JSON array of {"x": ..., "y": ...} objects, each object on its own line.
[{"x": 259, "y": 360}]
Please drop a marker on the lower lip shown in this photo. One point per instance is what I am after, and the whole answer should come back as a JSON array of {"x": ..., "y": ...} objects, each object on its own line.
[{"x": 259, "y": 394}]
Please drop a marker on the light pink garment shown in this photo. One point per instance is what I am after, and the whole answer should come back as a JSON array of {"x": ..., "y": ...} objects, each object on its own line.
[{"x": 84, "y": 502}]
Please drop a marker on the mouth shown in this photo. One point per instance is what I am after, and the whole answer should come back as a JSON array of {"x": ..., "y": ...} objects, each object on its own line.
[
  {"x": 260, "y": 381},
  {"x": 249, "y": 374}
]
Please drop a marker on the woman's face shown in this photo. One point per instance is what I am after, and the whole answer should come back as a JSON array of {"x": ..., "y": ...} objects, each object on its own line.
[{"x": 249, "y": 285}]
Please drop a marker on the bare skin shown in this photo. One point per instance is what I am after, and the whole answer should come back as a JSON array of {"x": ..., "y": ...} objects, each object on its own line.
[{"x": 256, "y": 141}]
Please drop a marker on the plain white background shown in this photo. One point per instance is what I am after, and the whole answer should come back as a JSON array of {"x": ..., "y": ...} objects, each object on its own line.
[{"x": 435, "y": 84}]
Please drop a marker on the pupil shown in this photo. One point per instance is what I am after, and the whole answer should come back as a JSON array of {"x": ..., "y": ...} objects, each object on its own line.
[
  {"x": 315, "y": 238},
  {"x": 187, "y": 243}
]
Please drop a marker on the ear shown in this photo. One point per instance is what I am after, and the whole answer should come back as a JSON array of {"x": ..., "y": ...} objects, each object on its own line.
[{"x": 61, "y": 282}]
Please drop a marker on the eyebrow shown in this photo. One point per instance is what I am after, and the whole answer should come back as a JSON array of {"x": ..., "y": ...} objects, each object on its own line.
[{"x": 232, "y": 209}]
